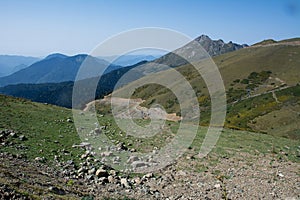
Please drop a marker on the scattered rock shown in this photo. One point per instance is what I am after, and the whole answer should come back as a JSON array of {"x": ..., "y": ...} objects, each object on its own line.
[
  {"x": 81, "y": 169},
  {"x": 13, "y": 134},
  {"x": 149, "y": 175},
  {"x": 132, "y": 159},
  {"x": 97, "y": 131},
  {"x": 137, "y": 164},
  {"x": 106, "y": 154},
  {"x": 137, "y": 180},
  {"x": 101, "y": 173},
  {"x": 82, "y": 145},
  {"x": 125, "y": 183},
  {"x": 22, "y": 137},
  {"x": 92, "y": 171},
  {"x": 111, "y": 179},
  {"x": 280, "y": 175},
  {"x": 39, "y": 159},
  {"x": 56, "y": 190}
]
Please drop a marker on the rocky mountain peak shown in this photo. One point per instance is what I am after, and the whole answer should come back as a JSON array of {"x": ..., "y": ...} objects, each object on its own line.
[
  {"x": 203, "y": 38},
  {"x": 217, "y": 47}
]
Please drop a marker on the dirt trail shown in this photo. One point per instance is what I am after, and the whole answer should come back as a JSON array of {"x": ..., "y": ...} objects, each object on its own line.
[
  {"x": 275, "y": 97},
  {"x": 255, "y": 95},
  {"x": 135, "y": 110}
]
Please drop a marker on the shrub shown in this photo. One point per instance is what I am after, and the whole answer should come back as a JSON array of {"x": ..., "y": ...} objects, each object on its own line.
[{"x": 245, "y": 81}]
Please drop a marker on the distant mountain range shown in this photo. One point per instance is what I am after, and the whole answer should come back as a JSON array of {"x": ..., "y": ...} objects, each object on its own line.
[
  {"x": 50, "y": 79},
  {"x": 57, "y": 68},
  {"x": 11, "y": 63},
  {"x": 61, "y": 93}
]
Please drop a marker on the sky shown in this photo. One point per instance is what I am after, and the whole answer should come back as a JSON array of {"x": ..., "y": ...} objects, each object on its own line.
[{"x": 40, "y": 27}]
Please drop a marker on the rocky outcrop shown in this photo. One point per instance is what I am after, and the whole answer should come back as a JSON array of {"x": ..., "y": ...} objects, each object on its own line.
[{"x": 218, "y": 47}]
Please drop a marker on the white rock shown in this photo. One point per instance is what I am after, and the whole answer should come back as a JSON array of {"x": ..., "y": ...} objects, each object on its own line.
[
  {"x": 149, "y": 175},
  {"x": 13, "y": 134},
  {"x": 39, "y": 159},
  {"x": 101, "y": 173},
  {"x": 92, "y": 171},
  {"x": 137, "y": 180},
  {"x": 125, "y": 183},
  {"x": 281, "y": 175},
  {"x": 80, "y": 170},
  {"x": 111, "y": 179}
]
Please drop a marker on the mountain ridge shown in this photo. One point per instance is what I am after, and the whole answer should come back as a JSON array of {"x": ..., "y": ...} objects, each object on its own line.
[
  {"x": 57, "y": 68},
  {"x": 212, "y": 48},
  {"x": 8, "y": 63}
]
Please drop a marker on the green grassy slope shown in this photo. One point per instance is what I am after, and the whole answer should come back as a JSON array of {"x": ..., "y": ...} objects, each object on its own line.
[
  {"x": 282, "y": 60},
  {"x": 48, "y": 134},
  {"x": 249, "y": 71},
  {"x": 45, "y": 127}
]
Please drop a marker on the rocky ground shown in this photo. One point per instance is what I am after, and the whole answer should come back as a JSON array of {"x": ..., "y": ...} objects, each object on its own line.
[{"x": 240, "y": 177}]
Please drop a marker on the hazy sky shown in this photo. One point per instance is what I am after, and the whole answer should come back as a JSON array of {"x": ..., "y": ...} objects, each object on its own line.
[{"x": 38, "y": 28}]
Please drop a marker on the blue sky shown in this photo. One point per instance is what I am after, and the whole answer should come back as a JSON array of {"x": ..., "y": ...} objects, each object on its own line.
[{"x": 38, "y": 28}]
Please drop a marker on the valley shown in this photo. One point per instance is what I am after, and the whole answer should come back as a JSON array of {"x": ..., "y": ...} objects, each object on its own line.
[{"x": 51, "y": 148}]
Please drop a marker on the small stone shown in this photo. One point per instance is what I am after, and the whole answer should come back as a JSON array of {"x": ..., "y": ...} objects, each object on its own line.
[
  {"x": 83, "y": 156},
  {"x": 81, "y": 169},
  {"x": 39, "y": 159},
  {"x": 155, "y": 151},
  {"x": 106, "y": 154},
  {"x": 101, "y": 173},
  {"x": 56, "y": 190},
  {"x": 69, "y": 120},
  {"x": 111, "y": 179},
  {"x": 103, "y": 180},
  {"x": 113, "y": 172},
  {"x": 83, "y": 144},
  {"x": 217, "y": 186},
  {"x": 132, "y": 159},
  {"x": 13, "y": 134},
  {"x": 22, "y": 137},
  {"x": 125, "y": 183},
  {"x": 281, "y": 175},
  {"x": 149, "y": 175},
  {"x": 98, "y": 131},
  {"x": 181, "y": 173},
  {"x": 120, "y": 146},
  {"x": 89, "y": 177},
  {"x": 137, "y": 164},
  {"x": 137, "y": 180},
  {"x": 92, "y": 171}
]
